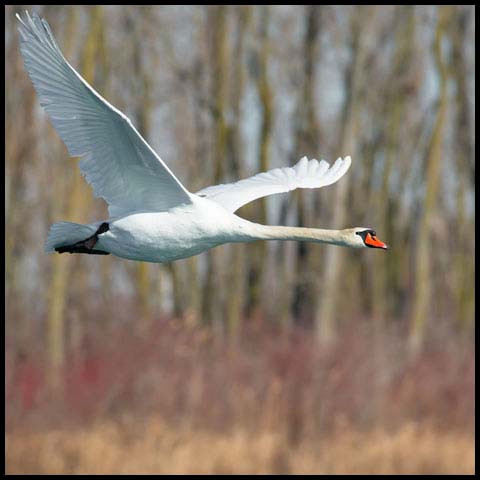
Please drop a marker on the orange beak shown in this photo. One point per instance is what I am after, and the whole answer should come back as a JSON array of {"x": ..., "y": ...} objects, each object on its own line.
[{"x": 375, "y": 242}]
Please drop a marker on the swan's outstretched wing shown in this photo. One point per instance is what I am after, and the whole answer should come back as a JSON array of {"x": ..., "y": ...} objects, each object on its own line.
[
  {"x": 305, "y": 174},
  {"x": 118, "y": 163}
]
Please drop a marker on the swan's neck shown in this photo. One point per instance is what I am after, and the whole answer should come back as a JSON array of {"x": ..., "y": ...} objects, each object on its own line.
[{"x": 332, "y": 237}]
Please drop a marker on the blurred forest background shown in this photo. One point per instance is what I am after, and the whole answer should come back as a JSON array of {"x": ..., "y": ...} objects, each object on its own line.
[{"x": 268, "y": 357}]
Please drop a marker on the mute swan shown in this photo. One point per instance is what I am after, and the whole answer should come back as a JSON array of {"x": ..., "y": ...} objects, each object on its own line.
[{"x": 153, "y": 217}]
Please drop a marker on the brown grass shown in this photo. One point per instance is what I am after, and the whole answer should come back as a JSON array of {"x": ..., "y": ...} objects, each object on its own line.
[
  {"x": 153, "y": 447},
  {"x": 182, "y": 399}
]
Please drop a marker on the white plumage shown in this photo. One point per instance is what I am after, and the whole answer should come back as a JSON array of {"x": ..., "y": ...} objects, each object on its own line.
[
  {"x": 153, "y": 217},
  {"x": 305, "y": 174},
  {"x": 117, "y": 162}
]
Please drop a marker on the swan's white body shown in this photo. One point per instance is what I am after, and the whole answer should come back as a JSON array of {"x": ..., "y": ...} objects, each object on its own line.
[
  {"x": 177, "y": 233},
  {"x": 153, "y": 217}
]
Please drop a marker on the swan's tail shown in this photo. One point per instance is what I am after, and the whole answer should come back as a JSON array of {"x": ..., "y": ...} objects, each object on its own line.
[{"x": 65, "y": 234}]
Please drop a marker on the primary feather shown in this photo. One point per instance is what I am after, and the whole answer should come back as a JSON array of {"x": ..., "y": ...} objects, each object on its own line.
[
  {"x": 118, "y": 163},
  {"x": 305, "y": 174}
]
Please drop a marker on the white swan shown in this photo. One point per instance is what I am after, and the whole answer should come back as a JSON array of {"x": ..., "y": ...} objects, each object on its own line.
[{"x": 153, "y": 217}]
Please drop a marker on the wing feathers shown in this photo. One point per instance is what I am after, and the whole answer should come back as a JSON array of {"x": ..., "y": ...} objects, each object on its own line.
[
  {"x": 305, "y": 174},
  {"x": 119, "y": 164}
]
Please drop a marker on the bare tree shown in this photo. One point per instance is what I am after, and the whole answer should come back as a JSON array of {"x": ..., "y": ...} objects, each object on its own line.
[
  {"x": 236, "y": 275},
  {"x": 217, "y": 23},
  {"x": 354, "y": 78},
  {"x": 307, "y": 143},
  {"x": 258, "y": 250},
  {"x": 423, "y": 283},
  {"x": 77, "y": 204}
]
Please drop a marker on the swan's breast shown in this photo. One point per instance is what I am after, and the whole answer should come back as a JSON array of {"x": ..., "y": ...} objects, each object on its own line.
[{"x": 166, "y": 236}]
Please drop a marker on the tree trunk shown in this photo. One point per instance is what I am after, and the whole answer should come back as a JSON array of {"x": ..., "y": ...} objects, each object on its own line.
[
  {"x": 143, "y": 115},
  {"x": 464, "y": 267},
  {"x": 325, "y": 316},
  {"x": 258, "y": 250},
  {"x": 235, "y": 295},
  {"x": 423, "y": 279},
  {"x": 381, "y": 201},
  {"x": 306, "y": 143},
  {"x": 212, "y": 302},
  {"x": 77, "y": 207}
]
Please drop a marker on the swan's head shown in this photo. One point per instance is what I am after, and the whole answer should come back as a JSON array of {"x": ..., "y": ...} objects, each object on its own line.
[{"x": 367, "y": 238}]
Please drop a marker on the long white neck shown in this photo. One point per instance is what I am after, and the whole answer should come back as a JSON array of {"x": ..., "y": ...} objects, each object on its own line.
[{"x": 343, "y": 238}]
